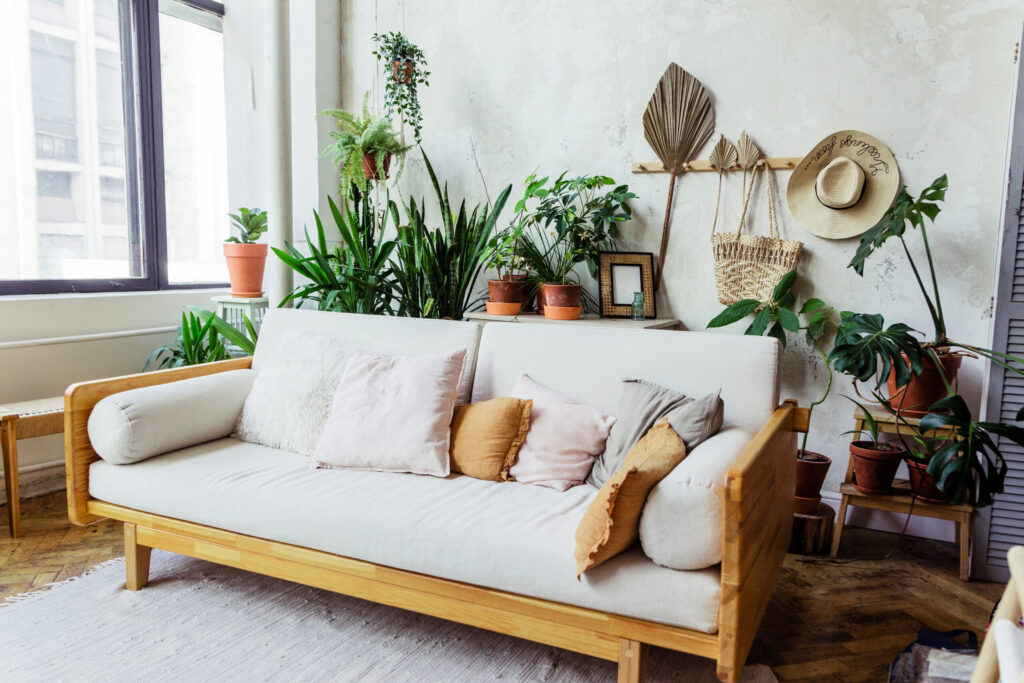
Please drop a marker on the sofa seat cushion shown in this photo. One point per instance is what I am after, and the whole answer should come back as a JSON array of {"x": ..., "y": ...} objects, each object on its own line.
[{"x": 503, "y": 535}]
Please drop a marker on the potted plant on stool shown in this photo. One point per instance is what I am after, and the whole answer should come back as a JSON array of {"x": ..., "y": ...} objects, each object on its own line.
[
  {"x": 363, "y": 147},
  {"x": 874, "y": 462},
  {"x": 246, "y": 259}
]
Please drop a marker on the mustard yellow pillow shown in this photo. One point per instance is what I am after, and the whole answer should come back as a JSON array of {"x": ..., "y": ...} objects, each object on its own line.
[
  {"x": 611, "y": 522},
  {"x": 486, "y": 437}
]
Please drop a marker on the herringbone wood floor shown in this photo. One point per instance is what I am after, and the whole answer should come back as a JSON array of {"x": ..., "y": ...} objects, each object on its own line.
[{"x": 828, "y": 620}]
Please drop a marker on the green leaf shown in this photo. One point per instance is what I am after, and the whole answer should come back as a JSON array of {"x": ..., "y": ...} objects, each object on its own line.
[
  {"x": 788, "y": 320},
  {"x": 783, "y": 286},
  {"x": 777, "y": 332},
  {"x": 735, "y": 312},
  {"x": 760, "y": 323}
]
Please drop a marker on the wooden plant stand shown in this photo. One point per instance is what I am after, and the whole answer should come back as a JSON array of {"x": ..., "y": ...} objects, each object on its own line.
[
  {"x": 901, "y": 500},
  {"x": 25, "y": 420}
]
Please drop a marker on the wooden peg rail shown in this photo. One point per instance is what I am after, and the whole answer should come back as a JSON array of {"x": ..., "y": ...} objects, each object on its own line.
[{"x": 776, "y": 163}]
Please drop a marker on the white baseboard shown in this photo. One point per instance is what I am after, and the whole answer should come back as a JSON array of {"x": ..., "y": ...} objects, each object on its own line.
[
  {"x": 922, "y": 527},
  {"x": 37, "y": 480}
]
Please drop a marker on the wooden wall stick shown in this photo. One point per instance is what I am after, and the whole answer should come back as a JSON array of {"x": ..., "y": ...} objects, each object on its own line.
[{"x": 774, "y": 163}]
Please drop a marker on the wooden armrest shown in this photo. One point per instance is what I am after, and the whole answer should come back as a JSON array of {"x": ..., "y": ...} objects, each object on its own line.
[
  {"x": 758, "y": 520},
  {"x": 79, "y": 400}
]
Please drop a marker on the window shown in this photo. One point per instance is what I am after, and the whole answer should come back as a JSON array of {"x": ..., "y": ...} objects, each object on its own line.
[{"x": 114, "y": 162}]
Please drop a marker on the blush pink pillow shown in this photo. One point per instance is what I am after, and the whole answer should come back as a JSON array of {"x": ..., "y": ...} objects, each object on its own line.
[
  {"x": 564, "y": 439},
  {"x": 392, "y": 414}
]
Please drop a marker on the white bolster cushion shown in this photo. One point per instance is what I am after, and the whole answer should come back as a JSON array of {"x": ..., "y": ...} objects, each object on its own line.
[
  {"x": 681, "y": 524},
  {"x": 138, "y": 424}
]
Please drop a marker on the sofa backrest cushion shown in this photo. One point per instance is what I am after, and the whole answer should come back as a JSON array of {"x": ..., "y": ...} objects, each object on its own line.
[
  {"x": 378, "y": 334},
  {"x": 589, "y": 363}
]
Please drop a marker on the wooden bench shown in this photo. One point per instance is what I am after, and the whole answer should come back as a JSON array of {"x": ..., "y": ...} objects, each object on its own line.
[{"x": 25, "y": 420}]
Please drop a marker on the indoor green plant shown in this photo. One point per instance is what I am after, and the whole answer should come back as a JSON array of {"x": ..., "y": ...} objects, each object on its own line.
[
  {"x": 874, "y": 462},
  {"x": 570, "y": 222},
  {"x": 508, "y": 292},
  {"x": 435, "y": 270},
  {"x": 246, "y": 260},
  {"x": 405, "y": 70},
  {"x": 198, "y": 342},
  {"x": 363, "y": 147}
]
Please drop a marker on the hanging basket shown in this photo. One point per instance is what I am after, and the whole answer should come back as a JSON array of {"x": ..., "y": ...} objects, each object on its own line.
[{"x": 749, "y": 266}]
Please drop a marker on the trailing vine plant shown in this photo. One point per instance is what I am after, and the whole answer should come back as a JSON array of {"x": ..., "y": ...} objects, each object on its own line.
[{"x": 405, "y": 69}]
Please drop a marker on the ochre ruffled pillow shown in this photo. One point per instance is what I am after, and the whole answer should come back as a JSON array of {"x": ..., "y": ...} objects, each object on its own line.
[
  {"x": 610, "y": 525},
  {"x": 486, "y": 437}
]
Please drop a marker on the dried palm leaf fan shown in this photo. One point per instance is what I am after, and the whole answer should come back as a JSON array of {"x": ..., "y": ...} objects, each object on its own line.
[
  {"x": 723, "y": 157},
  {"x": 748, "y": 156},
  {"x": 678, "y": 122}
]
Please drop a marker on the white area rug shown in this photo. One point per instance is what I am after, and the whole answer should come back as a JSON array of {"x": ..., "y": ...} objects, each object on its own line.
[{"x": 198, "y": 621}]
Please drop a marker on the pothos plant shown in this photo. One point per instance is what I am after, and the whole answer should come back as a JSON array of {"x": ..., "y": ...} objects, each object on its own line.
[
  {"x": 357, "y": 136},
  {"x": 405, "y": 70}
]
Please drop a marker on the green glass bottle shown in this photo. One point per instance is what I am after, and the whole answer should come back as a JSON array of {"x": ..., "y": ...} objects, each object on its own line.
[{"x": 638, "y": 308}]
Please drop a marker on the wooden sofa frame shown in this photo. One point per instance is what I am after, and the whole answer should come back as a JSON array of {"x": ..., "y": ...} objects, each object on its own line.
[{"x": 758, "y": 502}]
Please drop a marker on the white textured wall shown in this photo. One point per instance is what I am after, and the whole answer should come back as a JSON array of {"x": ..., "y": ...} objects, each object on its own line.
[{"x": 562, "y": 85}]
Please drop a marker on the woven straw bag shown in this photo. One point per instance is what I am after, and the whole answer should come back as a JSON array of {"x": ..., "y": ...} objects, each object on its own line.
[{"x": 749, "y": 266}]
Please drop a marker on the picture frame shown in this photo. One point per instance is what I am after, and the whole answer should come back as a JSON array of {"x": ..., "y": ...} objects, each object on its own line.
[{"x": 619, "y": 275}]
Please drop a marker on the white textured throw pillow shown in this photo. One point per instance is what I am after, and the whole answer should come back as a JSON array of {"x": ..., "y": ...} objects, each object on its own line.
[
  {"x": 291, "y": 397},
  {"x": 393, "y": 414}
]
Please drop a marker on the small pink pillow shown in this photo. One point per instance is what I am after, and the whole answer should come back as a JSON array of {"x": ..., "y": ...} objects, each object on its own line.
[
  {"x": 564, "y": 439},
  {"x": 392, "y": 414}
]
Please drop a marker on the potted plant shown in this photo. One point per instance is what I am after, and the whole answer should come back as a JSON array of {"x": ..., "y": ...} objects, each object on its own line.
[
  {"x": 405, "y": 69},
  {"x": 572, "y": 221},
  {"x": 934, "y": 364},
  {"x": 246, "y": 259},
  {"x": 776, "y": 317},
  {"x": 874, "y": 462},
  {"x": 508, "y": 292},
  {"x": 922, "y": 483},
  {"x": 363, "y": 147}
]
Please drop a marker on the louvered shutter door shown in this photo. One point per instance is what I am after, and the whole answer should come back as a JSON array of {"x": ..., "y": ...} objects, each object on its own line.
[{"x": 1001, "y": 526}]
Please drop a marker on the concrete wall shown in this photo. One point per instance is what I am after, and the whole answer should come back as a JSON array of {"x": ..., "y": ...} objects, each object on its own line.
[{"x": 564, "y": 86}]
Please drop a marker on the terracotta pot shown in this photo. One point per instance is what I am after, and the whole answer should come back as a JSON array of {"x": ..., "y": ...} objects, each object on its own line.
[
  {"x": 245, "y": 268},
  {"x": 810, "y": 474},
  {"x": 507, "y": 290},
  {"x": 925, "y": 389},
  {"x": 874, "y": 470},
  {"x": 562, "y": 312},
  {"x": 504, "y": 307},
  {"x": 565, "y": 296},
  {"x": 806, "y": 506},
  {"x": 922, "y": 483},
  {"x": 401, "y": 70},
  {"x": 370, "y": 166}
]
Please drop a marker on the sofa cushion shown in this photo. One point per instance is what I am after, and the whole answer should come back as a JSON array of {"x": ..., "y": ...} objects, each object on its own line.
[
  {"x": 611, "y": 521},
  {"x": 134, "y": 425},
  {"x": 486, "y": 436},
  {"x": 564, "y": 438},
  {"x": 590, "y": 362},
  {"x": 385, "y": 335},
  {"x": 681, "y": 525},
  {"x": 393, "y": 414},
  {"x": 641, "y": 406},
  {"x": 501, "y": 535},
  {"x": 292, "y": 395}
]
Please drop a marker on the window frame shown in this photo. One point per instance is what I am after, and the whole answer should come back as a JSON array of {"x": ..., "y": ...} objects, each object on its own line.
[{"x": 144, "y": 159}]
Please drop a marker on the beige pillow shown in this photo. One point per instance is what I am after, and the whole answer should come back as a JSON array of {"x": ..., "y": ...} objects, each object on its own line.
[
  {"x": 610, "y": 525},
  {"x": 486, "y": 436},
  {"x": 392, "y": 414}
]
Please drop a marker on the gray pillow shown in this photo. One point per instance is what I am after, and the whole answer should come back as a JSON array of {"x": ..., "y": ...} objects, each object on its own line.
[{"x": 641, "y": 406}]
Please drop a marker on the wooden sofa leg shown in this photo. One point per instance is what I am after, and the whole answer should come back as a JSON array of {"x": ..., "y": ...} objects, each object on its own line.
[
  {"x": 136, "y": 560},
  {"x": 632, "y": 661}
]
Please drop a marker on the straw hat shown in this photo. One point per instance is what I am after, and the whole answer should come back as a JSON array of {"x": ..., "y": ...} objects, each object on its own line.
[{"x": 844, "y": 186}]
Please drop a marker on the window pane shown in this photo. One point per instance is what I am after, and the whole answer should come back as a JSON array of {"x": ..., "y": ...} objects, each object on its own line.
[
  {"x": 195, "y": 150},
  {"x": 63, "y": 200}
]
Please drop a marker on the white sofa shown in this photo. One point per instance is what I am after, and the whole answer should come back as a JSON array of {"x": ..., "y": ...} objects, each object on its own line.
[{"x": 509, "y": 544}]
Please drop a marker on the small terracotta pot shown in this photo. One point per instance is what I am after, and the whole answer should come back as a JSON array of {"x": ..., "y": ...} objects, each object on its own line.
[
  {"x": 806, "y": 506},
  {"x": 565, "y": 296},
  {"x": 370, "y": 166},
  {"x": 917, "y": 397},
  {"x": 401, "y": 70},
  {"x": 874, "y": 470},
  {"x": 504, "y": 307},
  {"x": 810, "y": 474},
  {"x": 562, "y": 312},
  {"x": 245, "y": 268},
  {"x": 507, "y": 290},
  {"x": 922, "y": 483}
]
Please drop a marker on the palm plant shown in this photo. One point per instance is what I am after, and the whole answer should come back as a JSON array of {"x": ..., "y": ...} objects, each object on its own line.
[
  {"x": 353, "y": 277},
  {"x": 198, "y": 342},
  {"x": 435, "y": 270},
  {"x": 246, "y": 341}
]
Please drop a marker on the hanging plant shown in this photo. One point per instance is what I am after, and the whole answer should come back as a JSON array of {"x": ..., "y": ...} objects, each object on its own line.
[
  {"x": 363, "y": 147},
  {"x": 405, "y": 69}
]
